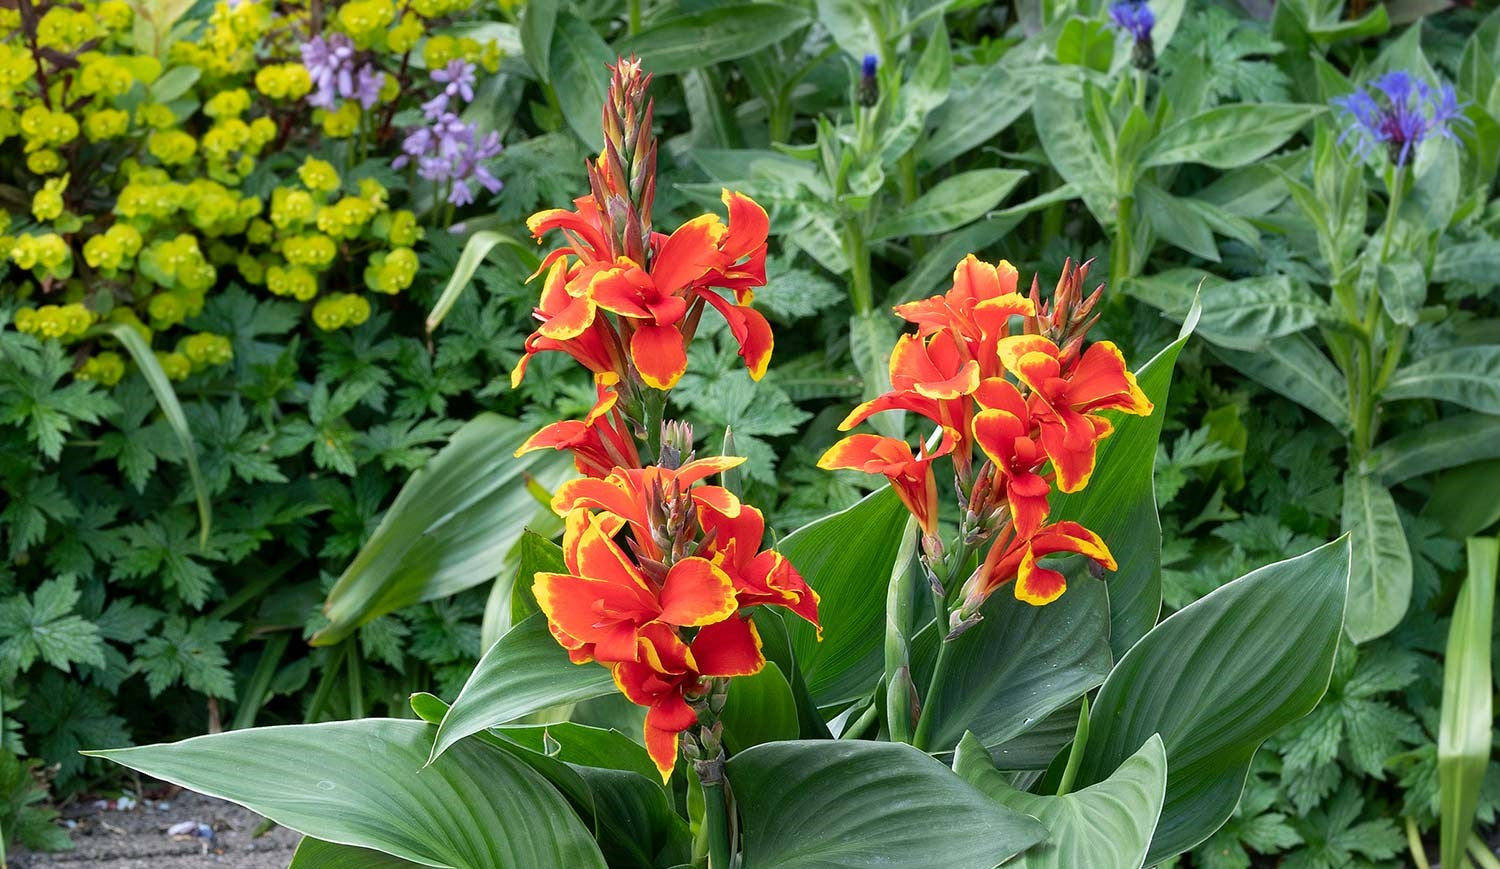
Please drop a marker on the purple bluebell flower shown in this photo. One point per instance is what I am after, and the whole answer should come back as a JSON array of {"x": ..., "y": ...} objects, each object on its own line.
[
  {"x": 1135, "y": 19},
  {"x": 1399, "y": 111},
  {"x": 448, "y": 150},
  {"x": 330, "y": 64}
]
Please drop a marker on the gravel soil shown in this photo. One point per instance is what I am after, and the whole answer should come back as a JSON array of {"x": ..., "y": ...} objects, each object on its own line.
[{"x": 138, "y": 838}]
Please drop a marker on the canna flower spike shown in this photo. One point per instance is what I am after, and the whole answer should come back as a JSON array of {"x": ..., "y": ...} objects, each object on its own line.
[
  {"x": 1033, "y": 402},
  {"x": 635, "y": 293}
]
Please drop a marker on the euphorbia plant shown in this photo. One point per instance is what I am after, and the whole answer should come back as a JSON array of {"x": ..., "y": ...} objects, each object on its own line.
[{"x": 767, "y": 667}]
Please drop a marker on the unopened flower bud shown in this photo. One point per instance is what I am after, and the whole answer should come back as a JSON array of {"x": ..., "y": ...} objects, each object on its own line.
[
  {"x": 869, "y": 86},
  {"x": 958, "y": 623}
]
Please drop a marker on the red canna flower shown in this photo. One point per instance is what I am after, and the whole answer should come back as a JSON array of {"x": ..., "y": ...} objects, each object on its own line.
[
  {"x": 1006, "y": 432},
  {"x": 1017, "y": 560},
  {"x": 1065, "y": 401},
  {"x": 600, "y": 442},
  {"x": 760, "y": 576},
  {"x": 643, "y": 498},
  {"x": 570, "y": 324},
  {"x": 910, "y": 475},
  {"x": 607, "y": 609},
  {"x": 724, "y": 649},
  {"x": 976, "y": 311}
]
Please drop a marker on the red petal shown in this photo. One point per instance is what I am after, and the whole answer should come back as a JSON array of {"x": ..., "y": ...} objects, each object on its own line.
[
  {"x": 728, "y": 648},
  {"x": 659, "y": 355},
  {"x": 696, "y": 592}
]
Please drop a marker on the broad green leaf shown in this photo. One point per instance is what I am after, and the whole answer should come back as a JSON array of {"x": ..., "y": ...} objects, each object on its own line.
[
  {"x": 848, "y": 22},
  {"x": 1403, "y": 289},
  {"x": 1108, "y": 824},
  {"x": 1444, "y": 443},
  {"x": 951, "y": 203},
  {"x": 983, "y": 101},
  {"x": 1215, "y": 680},
  {"x": 363, "y": 783},
  {"x": 171, "y": 410},
  {"x": 538, "y": 18},
  {"x": 1380, "y": 571},
  {"x": 830, "y": 804},
  {"x": 1243, "y": 314},
  {"x": 1465, "y": 729},
  {"x": 1477, "y": 261},
  {"x": 318, "y": 854},
  {"x": 449, "y": 528},
  {"x": 1228, "y": 136},
  {"x": 922, "y": 92},
  {"x": 1463, "y": 500},
  {"x": 1294, "y": 367},
  {"x": 846, "y": 557},
  {"x": 1469, "y": 376},
  {"x": 579, "y": 76},
  {"x": 511, "y": 599},
  {"x": 1119, "y": 505},
  {"x": 174, "y": 83},
  {"x": 759, "y": 709},
  {"x": 1019, "y": 664},
  {"x": 697, "y": 39},
  {"x": 476, "y": 249},
  {"x": 525, "y": 671},
  {"x": 1071, "y": 149},
  {"x": 1174, "y": 222}
]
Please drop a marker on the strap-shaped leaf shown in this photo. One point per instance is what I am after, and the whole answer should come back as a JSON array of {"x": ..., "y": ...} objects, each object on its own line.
[
  {"x": 1228, "y": 136},
  {"x": 1445, "y": 443},
  {"x": 318, "y": 854},
  {"x": 1107, "y": 825},
  {"x": 1215, "y": 680},
  {"x": 362, "y": 783},
  {"x": 1464, "y": 732},
  {"x": 449, "y": 529},
  {"x": 1295, "y": 368},
  {"x": 821, "y": 804}
]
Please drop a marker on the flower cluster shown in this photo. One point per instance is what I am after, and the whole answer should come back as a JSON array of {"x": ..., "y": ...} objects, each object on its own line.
[
  {"x": 625, "y": 300},
  {"x": 138, "y": 168},
  {"x": 448, "y": 151},
  {"x": 661, "y": 567},
  {"x": 1399, "y": 111},
  {"x": 1031, "y": 402}
]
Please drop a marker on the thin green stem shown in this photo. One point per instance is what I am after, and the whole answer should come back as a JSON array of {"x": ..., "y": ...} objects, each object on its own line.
[
  {"x": 1372, "y": 371},
  {"x": 1414, "y": 844},
  {"x": 863, "y": 722},
  {"x": 1480, "y": 852},
  {"x": 635, "y": 16},
  {"x": 857, "y": 249},
  {"x": 960, "y": 561},
  {"x": 1119, "y": 258}
]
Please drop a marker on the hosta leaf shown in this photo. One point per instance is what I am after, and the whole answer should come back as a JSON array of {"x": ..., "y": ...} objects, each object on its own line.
[
  {"x": 1469, "y": 376},
  {"x": 1108, "y": 824},
  {"x": 362, "y": 783},
  {"x": 1380, "y": 573},
  {"x": 1215, "y": 680},
  {"x": 830, "y": 804},
  {"x": 846, "y": 558}
]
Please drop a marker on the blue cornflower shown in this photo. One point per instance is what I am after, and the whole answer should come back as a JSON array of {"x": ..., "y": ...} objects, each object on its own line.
[
  {"x": 869, "y": 86},
  {"x": 1400, "y": 112},
  {"x": 1136, "y": 19}
]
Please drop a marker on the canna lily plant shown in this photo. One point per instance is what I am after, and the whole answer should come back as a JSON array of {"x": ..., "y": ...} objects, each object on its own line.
[{"x": 900, "y": 683}]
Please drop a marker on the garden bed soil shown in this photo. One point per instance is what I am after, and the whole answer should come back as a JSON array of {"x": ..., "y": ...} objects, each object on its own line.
[{"x": 138, "y": 838}]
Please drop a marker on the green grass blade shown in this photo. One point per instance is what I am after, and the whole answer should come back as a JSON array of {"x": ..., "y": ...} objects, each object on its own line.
[
  {"x": 166, "y": 397},
  {"x": 1464, "y": 731},
  {"x": 476, "y": 249}
]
